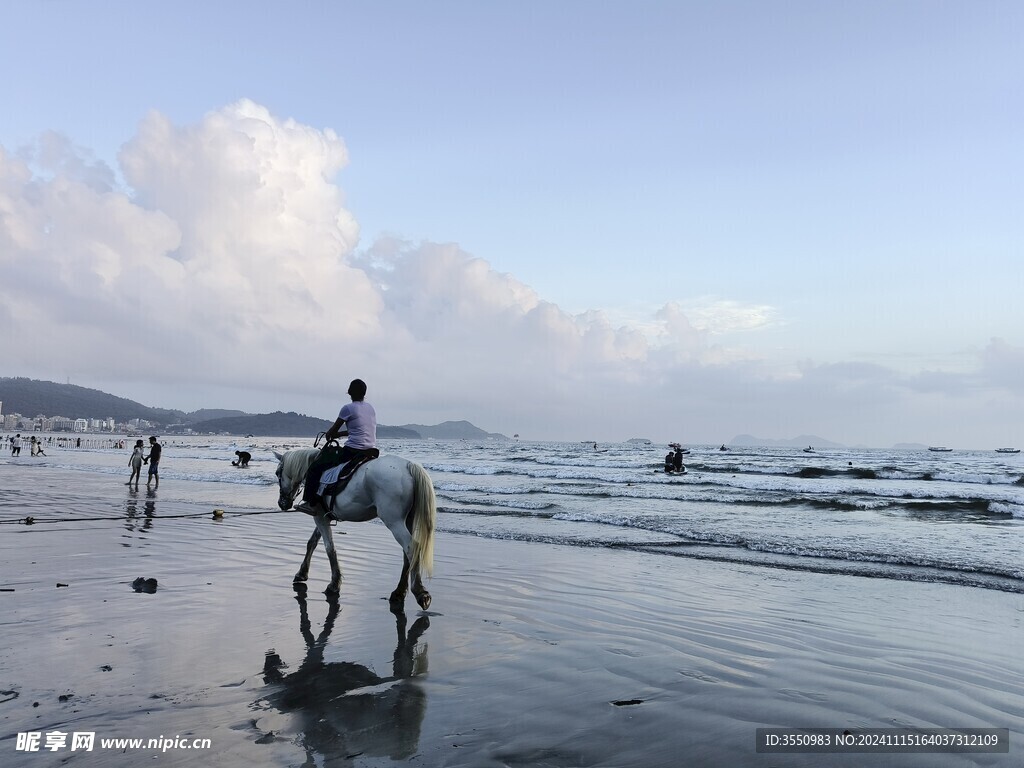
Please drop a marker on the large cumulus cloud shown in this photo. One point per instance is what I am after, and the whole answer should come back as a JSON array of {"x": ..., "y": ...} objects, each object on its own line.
[{"x": 220, "y": 259}]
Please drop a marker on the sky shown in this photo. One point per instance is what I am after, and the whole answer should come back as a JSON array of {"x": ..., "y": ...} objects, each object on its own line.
[{"x": 564, "y": 220}]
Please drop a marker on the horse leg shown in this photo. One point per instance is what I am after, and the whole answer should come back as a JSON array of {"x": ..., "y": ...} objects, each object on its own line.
[
  {"x": 401, "y": 529},
  {"x": 323, "y": 525},
  {"x": 403, "y": 536},
  {"x": 303, "y": 572},
  {"x": 420, "y": 592},
  {"x": 397, "y": 598}
]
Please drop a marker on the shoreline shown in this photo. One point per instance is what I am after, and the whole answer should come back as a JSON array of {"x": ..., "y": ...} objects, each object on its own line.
[{"x": 531, "y": 654}]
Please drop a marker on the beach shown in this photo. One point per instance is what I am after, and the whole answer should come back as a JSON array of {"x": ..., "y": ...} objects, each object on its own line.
[{"x": 532, "y": 653}]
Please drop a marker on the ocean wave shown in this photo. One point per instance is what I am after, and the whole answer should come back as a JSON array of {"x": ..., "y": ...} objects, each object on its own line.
[
  {"x": 794, "y": 558},
  {"x": 1004, "y": 508},
  {"x": 504, "y": 503}
]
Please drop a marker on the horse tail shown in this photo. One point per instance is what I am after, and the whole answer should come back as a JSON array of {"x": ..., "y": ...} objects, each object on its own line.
[{"x": 424, "y": 515}]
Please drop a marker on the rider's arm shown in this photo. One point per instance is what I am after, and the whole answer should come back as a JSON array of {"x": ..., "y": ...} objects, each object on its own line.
[{"x": 335, "y": 429}]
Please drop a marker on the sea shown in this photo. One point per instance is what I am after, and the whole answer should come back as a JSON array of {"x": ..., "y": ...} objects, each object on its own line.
[{"x": 953, "y": 517}]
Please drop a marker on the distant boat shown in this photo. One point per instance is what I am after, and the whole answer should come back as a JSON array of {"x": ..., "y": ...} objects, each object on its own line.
[
  {"x": 1007, "y": 450},
  {"x": 808, "y": 449},
  {"x": 939, "y": 449},
  {"x": 723, "y": 448}
]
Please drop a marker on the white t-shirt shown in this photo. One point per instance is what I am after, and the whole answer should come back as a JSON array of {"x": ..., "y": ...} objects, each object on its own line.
[{"x": 361, "y": 421}]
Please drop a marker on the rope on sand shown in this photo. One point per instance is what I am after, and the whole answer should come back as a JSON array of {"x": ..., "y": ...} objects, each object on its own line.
[{"x": 122, "y": 518}]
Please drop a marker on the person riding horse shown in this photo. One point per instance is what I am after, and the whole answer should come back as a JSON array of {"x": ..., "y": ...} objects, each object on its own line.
[{"x": 361, "y": 420}]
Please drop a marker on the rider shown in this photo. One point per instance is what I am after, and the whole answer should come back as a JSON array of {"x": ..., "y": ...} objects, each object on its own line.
[{"x": 361, "y": 420}]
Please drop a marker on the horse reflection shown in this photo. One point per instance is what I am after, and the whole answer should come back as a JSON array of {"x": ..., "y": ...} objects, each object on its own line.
[{"x": 336, "y": 717}]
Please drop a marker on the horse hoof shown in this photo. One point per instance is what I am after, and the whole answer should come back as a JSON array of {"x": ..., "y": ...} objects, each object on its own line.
[
  {"x": 299, "y": 579},
  {"x": 333, "y": 589},
  {"x": 423, "y": 600}
]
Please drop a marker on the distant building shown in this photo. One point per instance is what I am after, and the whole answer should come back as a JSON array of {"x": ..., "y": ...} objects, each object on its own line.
[{"x": 81, "y": 425}]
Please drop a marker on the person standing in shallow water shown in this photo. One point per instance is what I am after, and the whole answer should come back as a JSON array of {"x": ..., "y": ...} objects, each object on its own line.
[
  {"x": 135, "y": 462},
  {"x": 361, "y": 421},
  {"x": 154, "y": 462}
]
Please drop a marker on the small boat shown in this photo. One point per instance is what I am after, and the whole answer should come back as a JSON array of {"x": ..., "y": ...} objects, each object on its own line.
[
  {"x": 1007, "y": 450},
  {"x": 939, "y": 449},
  {"x": 808, "y": 449},
  {"x": 723, "y": 448}
]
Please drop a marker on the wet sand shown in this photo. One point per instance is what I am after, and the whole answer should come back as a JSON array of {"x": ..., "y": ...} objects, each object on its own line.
[{"x": 531, "y": 654}]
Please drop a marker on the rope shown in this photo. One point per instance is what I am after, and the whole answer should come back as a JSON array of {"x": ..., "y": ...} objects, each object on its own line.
[{"x": 123, "y": 518}]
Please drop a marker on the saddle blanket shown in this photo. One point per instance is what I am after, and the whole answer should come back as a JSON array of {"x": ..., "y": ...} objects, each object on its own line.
[
  {"x": 334, "y": 475},
  {"x": 334, "y": 480}
]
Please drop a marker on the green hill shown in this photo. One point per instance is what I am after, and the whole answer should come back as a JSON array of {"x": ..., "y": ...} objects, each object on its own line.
[
  {"x": 279, "y": 424},
  {"x": 30, "y": 397},
  {"x": 454, "y": 430}
]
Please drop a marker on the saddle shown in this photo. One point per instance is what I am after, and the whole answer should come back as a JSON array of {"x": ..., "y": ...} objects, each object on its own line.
[{"x": 334, "y": 480}]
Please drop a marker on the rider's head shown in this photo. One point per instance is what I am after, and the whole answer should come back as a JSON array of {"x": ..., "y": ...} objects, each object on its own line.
[{"x": 357, "y": 389}]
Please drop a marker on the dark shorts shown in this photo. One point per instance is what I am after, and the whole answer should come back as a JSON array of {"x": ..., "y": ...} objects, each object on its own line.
[{"x": 153, "y": 467}]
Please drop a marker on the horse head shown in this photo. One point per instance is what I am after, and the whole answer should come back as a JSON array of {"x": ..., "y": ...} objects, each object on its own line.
[{"x": 287, "y": 486}]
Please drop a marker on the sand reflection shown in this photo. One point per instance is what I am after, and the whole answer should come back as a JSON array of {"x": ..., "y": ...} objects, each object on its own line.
[
  {"x": 138, "y": 514},
  {"x": 343, "y": 709}
]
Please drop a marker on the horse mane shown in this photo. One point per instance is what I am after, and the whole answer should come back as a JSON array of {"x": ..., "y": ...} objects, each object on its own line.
[{"x": 296, "y": 463}]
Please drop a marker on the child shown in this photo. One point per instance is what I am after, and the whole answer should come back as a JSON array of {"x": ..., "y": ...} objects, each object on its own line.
[{"x": 135, "y": 462}]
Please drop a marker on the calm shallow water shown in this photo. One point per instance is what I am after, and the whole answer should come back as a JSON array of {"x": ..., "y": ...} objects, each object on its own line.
[{"x": 910, "y": 515}]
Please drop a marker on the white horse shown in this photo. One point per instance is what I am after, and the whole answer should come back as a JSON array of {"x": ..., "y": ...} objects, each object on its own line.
[{"x": 394, "y": 489}]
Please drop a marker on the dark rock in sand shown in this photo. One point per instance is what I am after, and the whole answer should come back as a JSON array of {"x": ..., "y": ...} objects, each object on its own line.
[{"x": 144, "y": 585}]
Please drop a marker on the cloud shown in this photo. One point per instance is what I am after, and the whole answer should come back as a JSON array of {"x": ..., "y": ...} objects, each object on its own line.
[
  {"x": 722, "y": 316},
  {"x": 226, "y": 271},
  {"x": 1003, "y": 365}
]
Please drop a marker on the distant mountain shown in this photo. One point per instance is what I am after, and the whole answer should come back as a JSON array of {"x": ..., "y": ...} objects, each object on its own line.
[
  {"x": 797, "y": 442},
  {"x": 30, "y": 397},
  {"x": 279, "y": 424},
  {"x": 453, "y": 430},
  {"x": 206, "y": 414}
]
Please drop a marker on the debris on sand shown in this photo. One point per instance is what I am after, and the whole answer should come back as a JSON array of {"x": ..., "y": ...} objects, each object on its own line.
[{"x": 142, "y": 584}]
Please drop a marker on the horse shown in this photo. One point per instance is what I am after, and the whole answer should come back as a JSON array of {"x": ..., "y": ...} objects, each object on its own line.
[{"x": 394, "y": 489}]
